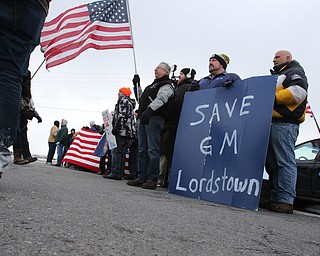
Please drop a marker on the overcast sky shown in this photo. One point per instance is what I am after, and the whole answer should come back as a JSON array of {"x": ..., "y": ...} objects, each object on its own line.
[{"x": 181, "y": 32}]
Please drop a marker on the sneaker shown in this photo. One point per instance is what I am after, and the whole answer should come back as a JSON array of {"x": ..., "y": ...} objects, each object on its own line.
[
  {"x": 149, "y": 185},
  {"x": 5, "y": 157},
  {"x": 135, "y": 183},
  {"x": 281, "y": 207},
  {"x": 49, "y": 163}
]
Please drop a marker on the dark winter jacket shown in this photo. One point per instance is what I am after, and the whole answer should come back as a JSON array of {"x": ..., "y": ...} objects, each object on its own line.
[
  {"x": 155, "y": 98},
  {"x": 44, "y": 4},
  {"x": 62, "y": 136},
  {"x": 176, "y": 106},
  {"x": 291, "y": 93},
  {"x": 168, "y": 133},
  {"x": 218, "y": 80},
  {"x": 27, "y": 110}
]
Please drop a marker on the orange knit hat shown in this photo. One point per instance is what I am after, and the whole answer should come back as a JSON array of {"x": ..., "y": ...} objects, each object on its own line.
[{"x": 126, "y": 91}]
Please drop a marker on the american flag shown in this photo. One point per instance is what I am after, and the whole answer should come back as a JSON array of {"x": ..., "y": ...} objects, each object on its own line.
[
  {"x": 101, "y": 25},
  {"x": 80, "y": 152},
  {"x": 308, "y": 110}
]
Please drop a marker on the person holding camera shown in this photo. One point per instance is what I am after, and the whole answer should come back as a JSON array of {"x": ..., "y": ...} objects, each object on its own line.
[{"x": 184, "y": 83}]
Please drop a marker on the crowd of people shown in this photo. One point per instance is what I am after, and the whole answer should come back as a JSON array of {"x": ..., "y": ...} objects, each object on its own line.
[
  {"x": 151, "y": 134},
  {"x": 159, "y": 110}
]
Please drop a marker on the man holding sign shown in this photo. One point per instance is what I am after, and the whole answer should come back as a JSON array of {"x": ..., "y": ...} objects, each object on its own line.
[
  {"x": 219, "y": 155},
  {"x": 218, "y": 75}
]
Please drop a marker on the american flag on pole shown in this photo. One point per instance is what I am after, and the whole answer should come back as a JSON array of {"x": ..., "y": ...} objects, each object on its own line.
[
  {"x": 80, "y": 152},
  {"x": 101, "y": 25},
  {"x": 308, "y": 110}
]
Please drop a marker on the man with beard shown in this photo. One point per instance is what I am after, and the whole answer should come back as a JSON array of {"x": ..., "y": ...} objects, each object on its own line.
[{"x": 218, "y": 75}]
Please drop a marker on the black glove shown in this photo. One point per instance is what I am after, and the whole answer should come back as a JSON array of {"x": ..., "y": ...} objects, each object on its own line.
[
  {"x": 136, "y": 79},
  {"x": 115, "y": 128},
  {"x": 194, "y": 87},
  {"x": 39, "y": 119},
  {"x": 227, "y": 83},
  {"x": 146, "y": 115}
]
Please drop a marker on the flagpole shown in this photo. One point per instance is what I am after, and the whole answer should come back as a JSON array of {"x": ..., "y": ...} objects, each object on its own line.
[
  {"x": 133, "y": 50},
  {"x": 315, "y": 120},
  {"x": 38, "y": 68}
]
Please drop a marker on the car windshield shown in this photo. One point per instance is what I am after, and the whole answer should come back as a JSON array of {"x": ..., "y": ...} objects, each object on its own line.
[{"x": 307, "y": 151}]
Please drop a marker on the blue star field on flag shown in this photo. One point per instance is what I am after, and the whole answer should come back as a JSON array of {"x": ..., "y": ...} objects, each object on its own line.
[{"x": 111, "y": 11}]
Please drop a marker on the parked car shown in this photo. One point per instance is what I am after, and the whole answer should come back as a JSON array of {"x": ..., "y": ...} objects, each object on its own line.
[
  {"x": 308, "y": 179},
  {"x": 308, "y": 164}
]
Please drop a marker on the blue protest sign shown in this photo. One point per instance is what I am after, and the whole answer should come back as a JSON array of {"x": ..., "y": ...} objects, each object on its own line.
[{"x": 221, "y": 143}]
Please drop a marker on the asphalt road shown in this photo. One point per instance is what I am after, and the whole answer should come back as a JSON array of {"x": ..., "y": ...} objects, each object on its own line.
[{"x": 46, "y": 210}]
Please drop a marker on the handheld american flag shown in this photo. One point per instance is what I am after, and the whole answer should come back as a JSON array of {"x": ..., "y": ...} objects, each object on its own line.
[
  {"x": 308, "y": 110},
  {"x": 101, "y": 25}
]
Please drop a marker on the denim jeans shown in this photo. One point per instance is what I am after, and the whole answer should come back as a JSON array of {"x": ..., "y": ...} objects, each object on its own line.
[
  {"x": 148, "y": 149},
  {"x": 60, "y": 149},
  {"x": 21, "y": 22},
  {"x": 280, "y": 162},
  {"x": 117, "y": 155}
]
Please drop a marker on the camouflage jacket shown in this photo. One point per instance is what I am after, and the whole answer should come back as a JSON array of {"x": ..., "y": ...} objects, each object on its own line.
[{"x": 123, "y": 117}]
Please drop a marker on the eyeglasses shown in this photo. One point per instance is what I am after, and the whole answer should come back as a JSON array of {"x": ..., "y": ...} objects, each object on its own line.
[{"x": 159, "y": 68}]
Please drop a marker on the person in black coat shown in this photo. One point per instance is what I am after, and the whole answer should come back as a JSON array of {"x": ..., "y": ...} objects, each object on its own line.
[
  {"x": 21, "y": 148},
  {"x": 185, "y": 83}
]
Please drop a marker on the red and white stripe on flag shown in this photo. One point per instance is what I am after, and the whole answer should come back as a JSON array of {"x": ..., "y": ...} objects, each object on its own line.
[
  {"x": 80, "y": 152},
  {"x": 101, "y": 25},
  {"x": 308, "y": 109}
]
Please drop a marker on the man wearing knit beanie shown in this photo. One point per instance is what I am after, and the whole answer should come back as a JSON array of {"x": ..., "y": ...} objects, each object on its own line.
[
  {"x": 126, "y": 91},
  {"x": 218, "y": 76}
]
